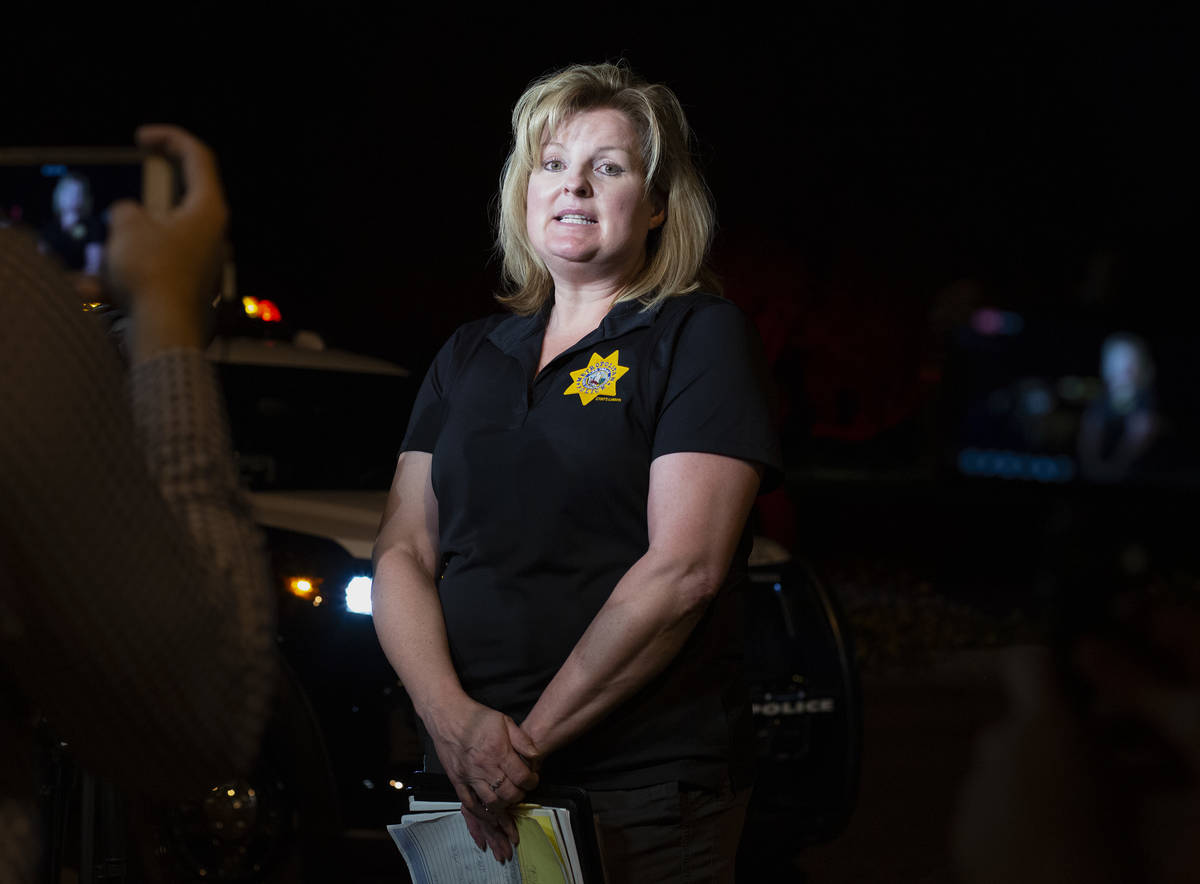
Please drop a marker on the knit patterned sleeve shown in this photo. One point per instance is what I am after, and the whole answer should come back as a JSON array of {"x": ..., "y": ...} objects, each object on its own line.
[
  {"x": 135, "y": 606},
  {"x": 182, "y": 427}
]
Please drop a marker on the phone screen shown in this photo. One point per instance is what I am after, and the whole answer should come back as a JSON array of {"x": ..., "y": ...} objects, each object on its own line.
[
  {"x": 64, "y": 197},
  {"x": 66, "y": 205}
]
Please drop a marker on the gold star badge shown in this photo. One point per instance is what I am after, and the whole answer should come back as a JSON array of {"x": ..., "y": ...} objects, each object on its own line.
[{"x": 599, "y": 378}]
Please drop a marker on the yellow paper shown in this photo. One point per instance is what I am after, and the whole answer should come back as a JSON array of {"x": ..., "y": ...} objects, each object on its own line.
[
  {"x": 547, "y": 825},
  {"x": 537, "y": 855}
]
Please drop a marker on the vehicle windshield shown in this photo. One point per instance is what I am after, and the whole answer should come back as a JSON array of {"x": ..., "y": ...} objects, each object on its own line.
[{"x": 304, "y": 428}]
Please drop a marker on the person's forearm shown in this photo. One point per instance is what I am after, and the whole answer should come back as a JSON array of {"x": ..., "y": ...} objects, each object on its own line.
[
  {"x": 640, "y": 629},
  {"x": 138, "y": 586},
  {"x": 180, "y": 420},
  {"x": 412, "y": 632},
  {"x": 157, "y": 328}
]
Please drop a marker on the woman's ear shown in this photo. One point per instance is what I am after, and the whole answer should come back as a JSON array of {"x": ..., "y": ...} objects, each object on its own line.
[{"x": 659, "y": 216}]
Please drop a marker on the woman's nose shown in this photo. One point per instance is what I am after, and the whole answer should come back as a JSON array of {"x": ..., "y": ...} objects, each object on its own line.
[{"x": 577, "y": 185}]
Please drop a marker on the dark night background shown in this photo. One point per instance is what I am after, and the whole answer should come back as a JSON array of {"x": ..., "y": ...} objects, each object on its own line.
[
  {"x": 878, "y": 170},
  {"x": 861, "y": 158}
]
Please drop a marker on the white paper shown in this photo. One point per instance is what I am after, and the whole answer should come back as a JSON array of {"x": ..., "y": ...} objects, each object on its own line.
[
  {"x": 439, "y": 850},
  {"x": 416, "y": 804}
]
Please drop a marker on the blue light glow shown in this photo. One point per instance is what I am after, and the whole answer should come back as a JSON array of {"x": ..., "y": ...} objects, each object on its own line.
[{"x": 1016, "y": 465}]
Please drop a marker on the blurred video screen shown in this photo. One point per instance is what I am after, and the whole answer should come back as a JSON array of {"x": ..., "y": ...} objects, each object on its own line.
[
  {"x": 1069, "y": 400},
  {"x": 66, "y": 205}
]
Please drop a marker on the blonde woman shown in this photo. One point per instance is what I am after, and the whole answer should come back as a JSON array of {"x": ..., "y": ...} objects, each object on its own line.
[{"x": 559, "y": 570}]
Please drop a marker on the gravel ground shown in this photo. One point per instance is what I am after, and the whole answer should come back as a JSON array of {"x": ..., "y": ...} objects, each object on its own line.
[{"x": 901, "y": 621}]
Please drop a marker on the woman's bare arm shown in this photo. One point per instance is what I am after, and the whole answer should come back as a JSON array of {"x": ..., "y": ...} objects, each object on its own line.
[
  {"x": 696, "y": 510},
  {"x": 478, "y": 746}
]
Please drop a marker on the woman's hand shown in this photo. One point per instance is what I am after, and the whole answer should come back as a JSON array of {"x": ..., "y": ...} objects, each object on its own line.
[
  {"x": 490, "y": 762},
  {"x": 167, "y": 266},
  {"x": 487, "y": 832},
  {"x": 488, "y": 759}
]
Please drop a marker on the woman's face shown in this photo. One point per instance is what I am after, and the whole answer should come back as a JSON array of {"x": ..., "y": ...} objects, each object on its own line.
[
  {"x": 1122, "y": 368},
  {"x": 70, "y": 198},
  {"x": 586, "y": 212}
]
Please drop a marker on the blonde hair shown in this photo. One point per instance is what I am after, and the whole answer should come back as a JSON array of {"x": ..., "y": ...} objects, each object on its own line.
[{"x": 676, "y": 250}]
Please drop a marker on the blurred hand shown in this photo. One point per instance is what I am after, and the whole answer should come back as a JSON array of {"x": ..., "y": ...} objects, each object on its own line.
[
  {"x": 88, "y": 287},
  {"x": 1028, "y": 810},
  {"x": 166, "y": 266},
  {"x": 1149, "y": 698},
  {"x": 1108, "y": 793}
]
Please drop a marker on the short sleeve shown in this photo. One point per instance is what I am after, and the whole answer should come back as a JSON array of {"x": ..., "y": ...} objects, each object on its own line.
[
  {"x": 429, "y": 409},
  {"x": 716, "y": 394}
]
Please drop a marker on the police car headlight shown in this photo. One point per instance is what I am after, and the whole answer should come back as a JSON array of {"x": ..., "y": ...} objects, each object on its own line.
[{"x": 358, "y": 595}]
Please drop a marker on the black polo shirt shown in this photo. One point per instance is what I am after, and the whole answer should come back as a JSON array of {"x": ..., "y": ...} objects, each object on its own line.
[{"x": 542, "y": 484}]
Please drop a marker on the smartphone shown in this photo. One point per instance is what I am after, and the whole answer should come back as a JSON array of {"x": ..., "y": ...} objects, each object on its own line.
[{"x": 63, "y": 196}]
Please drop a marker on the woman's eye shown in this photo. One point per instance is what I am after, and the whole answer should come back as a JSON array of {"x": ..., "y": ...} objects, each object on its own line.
[
  {"x": 610, "y": 169},
  {"x": 553, "y": 165}
]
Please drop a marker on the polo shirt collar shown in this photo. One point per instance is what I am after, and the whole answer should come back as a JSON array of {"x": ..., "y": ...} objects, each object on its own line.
[
  {"x": 625, "y": 317},
  {"x": 515, "y": 331}
]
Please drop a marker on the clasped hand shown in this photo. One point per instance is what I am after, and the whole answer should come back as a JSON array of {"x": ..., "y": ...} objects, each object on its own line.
[{"x": 491, "y": 763}]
